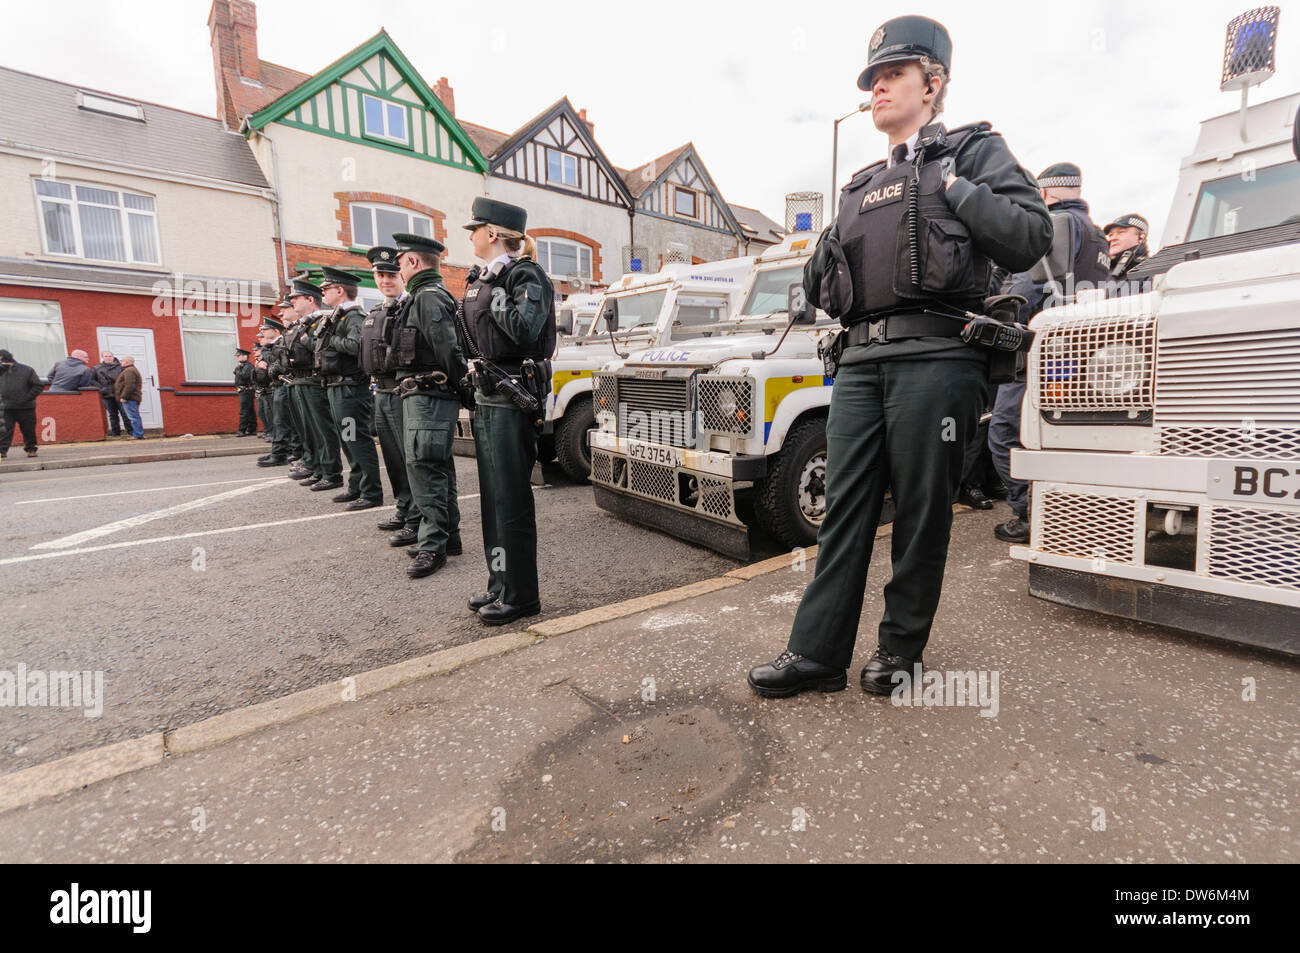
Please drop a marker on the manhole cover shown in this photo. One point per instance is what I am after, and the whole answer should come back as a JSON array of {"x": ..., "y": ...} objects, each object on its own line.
[{"x": 626, "y": 786}]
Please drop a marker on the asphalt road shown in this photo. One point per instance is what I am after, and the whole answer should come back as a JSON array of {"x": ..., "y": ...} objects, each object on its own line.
[{"x": 190, "y": 608}]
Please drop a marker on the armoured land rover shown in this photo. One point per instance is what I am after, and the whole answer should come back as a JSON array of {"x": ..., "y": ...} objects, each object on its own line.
[
  {"x": 717, "y": 408},
  {"x": 1162, "y": 429}
]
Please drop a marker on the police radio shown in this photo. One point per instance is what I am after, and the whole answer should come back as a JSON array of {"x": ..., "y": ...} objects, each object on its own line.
[{"x": 983, "y": 331}]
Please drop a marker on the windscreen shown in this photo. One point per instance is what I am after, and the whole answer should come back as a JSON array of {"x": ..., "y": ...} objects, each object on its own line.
[
  {"x": 697, "y": 316},
  {"x": 770, "y": 290},
  {"x": 1241, "y": 203},
  {"x": 638, "y": 310}
]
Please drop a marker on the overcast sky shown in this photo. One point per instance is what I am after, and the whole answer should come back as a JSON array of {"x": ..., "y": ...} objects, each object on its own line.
[{"x": 1116, "y": 87}]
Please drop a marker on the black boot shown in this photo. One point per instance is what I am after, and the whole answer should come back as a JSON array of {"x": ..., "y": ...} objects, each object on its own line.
[
  {"x": 789, "y": 674},
  {"x": 879, "y": 678}
]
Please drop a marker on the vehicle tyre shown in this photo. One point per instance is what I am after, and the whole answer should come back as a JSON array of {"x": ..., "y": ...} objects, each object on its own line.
[
  {"x": 790, "y": 502},
  {"x": 571, "y": 448}
]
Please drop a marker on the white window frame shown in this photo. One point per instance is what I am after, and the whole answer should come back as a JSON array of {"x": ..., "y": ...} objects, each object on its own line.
[
  {"x": 109, "y": 105},
  {"x": 184, "y": 313},
  {"x": 123, "y": 221},
  {"x": 695, "y": 201},
  {"x": 58, "y": 322},
  {"x": 385, "y": 135},
  {"x": 565, "y": 157},
  {"x": 371, "y": 207},
  {"x": 549, "y": 241}
]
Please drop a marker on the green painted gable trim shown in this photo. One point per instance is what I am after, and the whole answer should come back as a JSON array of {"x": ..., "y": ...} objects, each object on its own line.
[{"x": 381, "y": 42}]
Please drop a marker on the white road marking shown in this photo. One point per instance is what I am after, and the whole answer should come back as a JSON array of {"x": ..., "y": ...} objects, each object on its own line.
[
  {"x": 132, "y": 521},
  {"x": 207, "y": 532},
  {"x": 154, "y": 489}
]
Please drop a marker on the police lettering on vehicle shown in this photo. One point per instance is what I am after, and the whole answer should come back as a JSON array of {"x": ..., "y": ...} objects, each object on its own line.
[
  {"x": 666, "y": 356},
  {"x": 886, "y": 193}
]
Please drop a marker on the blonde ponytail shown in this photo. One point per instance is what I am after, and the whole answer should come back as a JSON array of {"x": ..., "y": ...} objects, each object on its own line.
[
  {"x": 530, "y": 248},
  {"x": 516, "y": 242}
]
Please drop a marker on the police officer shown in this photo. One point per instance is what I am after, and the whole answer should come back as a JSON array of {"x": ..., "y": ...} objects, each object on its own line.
[
  {"x": 338, "y": 347},
  {"x": 509, "y": 329},
  {"x": 910, "y": 247},
  {"x": 273, "y": 352},
  {"x": 309, "y": 391},
  {"x": 1078, "y": 260},
  {"x": 376, "y": 350},
  {"x": 1126, "y": 238},
  {"x": 427, "y": 365},
  {"x": 244, "y": 386}
]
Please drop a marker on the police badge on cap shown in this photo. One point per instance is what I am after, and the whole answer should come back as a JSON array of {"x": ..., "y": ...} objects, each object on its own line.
[
  {"x": 383, "y": 258},
  {"x": 904, "y": 39}
]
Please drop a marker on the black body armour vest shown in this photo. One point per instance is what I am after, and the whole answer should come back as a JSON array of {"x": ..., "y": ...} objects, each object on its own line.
[
  {"x": 409, "y": 351},
  {"x": 376, "y": 335},
  {"x": 493, "y": 343},
  {"x": 902, "y": 247},
  {"x": 1092, "y": 264},
  {"x": 298, "y": 349},
  {"x": 329, "y": 361}
]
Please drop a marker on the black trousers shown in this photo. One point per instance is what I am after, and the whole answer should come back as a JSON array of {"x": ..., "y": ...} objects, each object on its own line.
[
  {"x": 247, "y": 412},
  {"x": 25, "y": 418},
  {"x": 902, "y": 426},
  {"x": 116, "y": 413}
]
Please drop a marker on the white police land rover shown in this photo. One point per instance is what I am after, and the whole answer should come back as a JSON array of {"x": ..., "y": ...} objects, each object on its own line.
[
  {"x": 1162, "y": 429},
  {"x": 718, "y": 407}
]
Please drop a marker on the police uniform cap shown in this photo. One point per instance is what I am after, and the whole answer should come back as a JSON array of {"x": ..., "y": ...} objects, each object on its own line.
[
  {"x": 405, "y": 241},
  {"x": 383, "y": 258},
  {"x": 1130, "y": 220},
  {"x": 337, "y": 276},
  {"x": 904, "y": 39},
  {"x": 1063, "y": 175},
  {"x": 243, "y": 350},
  {"x": 268, "y": 322},
  {"x": 487, "y": 211},
  {"x": 303, "y": 287}
]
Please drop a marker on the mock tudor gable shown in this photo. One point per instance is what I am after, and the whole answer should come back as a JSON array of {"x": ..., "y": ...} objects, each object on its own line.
[{"x": 677, "y": 186}]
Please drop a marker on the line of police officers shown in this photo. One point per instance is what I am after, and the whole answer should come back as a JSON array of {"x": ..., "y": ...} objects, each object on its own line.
[{"x": 333, "y": 368}]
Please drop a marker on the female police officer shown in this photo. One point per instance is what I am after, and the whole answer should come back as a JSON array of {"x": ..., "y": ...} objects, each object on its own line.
[
  {"x": 509, "y": 327},
  {"x": 909, "y": 253}
]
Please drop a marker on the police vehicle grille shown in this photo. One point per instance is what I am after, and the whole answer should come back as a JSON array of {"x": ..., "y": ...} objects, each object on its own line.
[
  {"x": 1230, "y": 395},
  {"x": 602, "y": 466},
  {"x": 1087, "y": 526},
  {"x": 740, "y": 422},
  {"x": 605, "y": 393},
  {"x": 658, "y": 411},
  {"x": 1255, "y": 546},
  {"x": 1068, "y": 378},
  {"x": 652, "y": 480}
]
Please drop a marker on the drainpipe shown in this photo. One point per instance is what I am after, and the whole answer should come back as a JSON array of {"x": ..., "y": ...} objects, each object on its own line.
[{"x": 279, "y": 204}]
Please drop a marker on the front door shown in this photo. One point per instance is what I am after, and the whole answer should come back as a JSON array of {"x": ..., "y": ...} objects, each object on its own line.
[{"x": 138, "y": 343}]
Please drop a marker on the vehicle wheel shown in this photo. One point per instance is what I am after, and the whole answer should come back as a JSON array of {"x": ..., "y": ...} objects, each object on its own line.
[
  {"x": 790, "y": 502},
  {"x": 571, "y": 447}
]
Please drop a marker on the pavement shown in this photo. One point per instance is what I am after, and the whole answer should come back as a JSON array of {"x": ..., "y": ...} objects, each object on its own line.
[
  {"x": 628, "y": 733},
  {"x": 120, "y": 450}
]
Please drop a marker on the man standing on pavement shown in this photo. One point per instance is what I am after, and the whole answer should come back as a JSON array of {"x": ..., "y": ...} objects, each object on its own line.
[
  {"x": 128, "y": 389},
  {"x": 19, "y": 387},
  {"x": 338, "y": 346},
  {"x": 105, "y": 373},
  {"x": 71, "y": 374},
  {"x": 376, "y": 361},
  {"x": 428, "y": 364},
  {"x": 910, "y": 252},
  {"x": 244, "y": 386},
  {"x": 1078, "y": 259}
]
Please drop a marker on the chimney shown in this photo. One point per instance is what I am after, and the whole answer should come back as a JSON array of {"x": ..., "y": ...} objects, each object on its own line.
[
  {"x": 444, "y": 92},
  {"x": 232, "y": 27},
  {"x": 591, "y": 126}
]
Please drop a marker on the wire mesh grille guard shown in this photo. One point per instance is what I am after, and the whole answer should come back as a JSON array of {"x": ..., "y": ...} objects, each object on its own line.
[{"x": 1099, "y": 364}]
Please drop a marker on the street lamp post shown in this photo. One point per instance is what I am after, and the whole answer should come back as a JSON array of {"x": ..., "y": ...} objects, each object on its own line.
[{"x": 835, "y": 148}]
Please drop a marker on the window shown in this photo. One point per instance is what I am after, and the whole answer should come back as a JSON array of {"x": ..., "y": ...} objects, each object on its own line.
[
  {"x": 695, "y": 313},
  {"x": 561, "y": 168},
  {"x": 33, "y": 332},
  {"x": 89, "y": 222},
  {"x": 375, "y": 224},
  {"x": 770, "y": 293},
  {"x": 1236, "y": 204},
  {"x": 638, "y": 310},
  {"x": 561, "y": 258},
  {"x": 367, "y": 298},
  {"x": 385, "y": 120},
  {"x": 208, "y": 341},
  {"x": 684, "y": 202},
  {"x": 93, "y": 102}
]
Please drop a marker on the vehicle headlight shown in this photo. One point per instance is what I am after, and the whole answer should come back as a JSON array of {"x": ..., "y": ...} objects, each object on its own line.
[
  {"x": 726, "y": 402},
  {"x": 1116, "y": 370}
]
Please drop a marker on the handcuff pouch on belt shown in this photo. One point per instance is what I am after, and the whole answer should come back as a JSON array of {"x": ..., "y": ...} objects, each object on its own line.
[{"x": 434, "y": 382}]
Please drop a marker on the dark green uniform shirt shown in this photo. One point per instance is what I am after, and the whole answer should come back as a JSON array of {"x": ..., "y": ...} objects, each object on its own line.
[{"x": 434, "y": 316}]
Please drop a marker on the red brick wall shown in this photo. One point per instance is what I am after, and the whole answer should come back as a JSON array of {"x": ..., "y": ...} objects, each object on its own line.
[
  {"x": 70, "y": 418},
  {"x": 86, "y": 311}
]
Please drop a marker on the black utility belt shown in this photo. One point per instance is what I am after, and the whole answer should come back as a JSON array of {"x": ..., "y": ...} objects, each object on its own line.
[
  {"x": 338, "y": 380},
  {"x": 902, "y": 327},
  {"x": 432, "y": 383},
  {"x": 310, "y": 381},
  {"x": 385, "y": 385}
]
